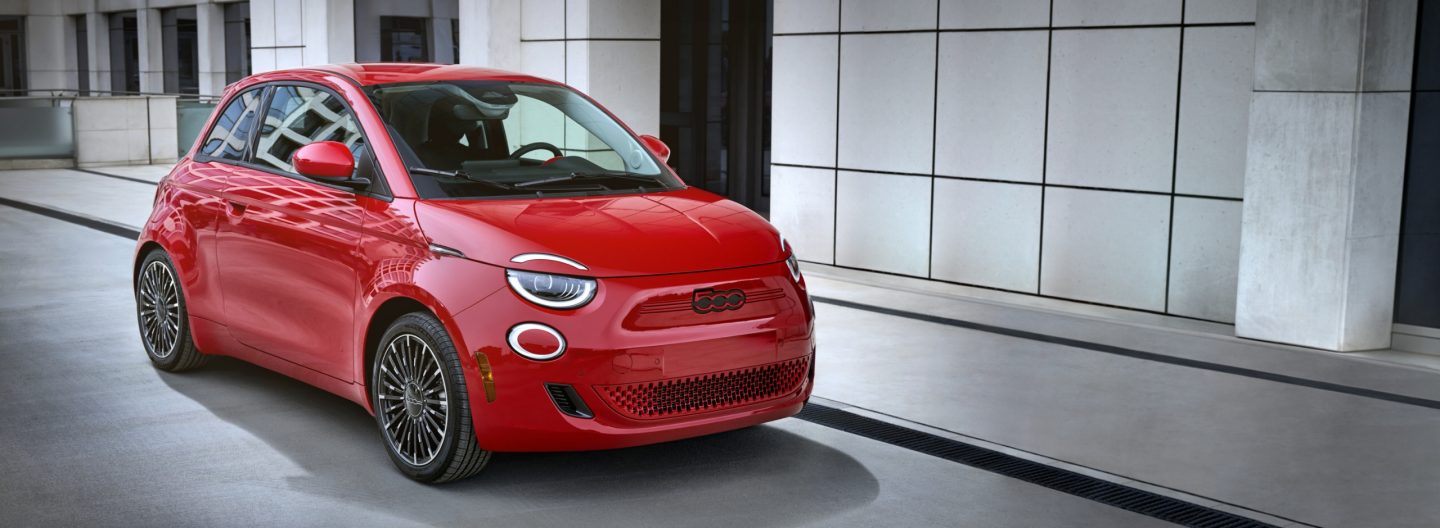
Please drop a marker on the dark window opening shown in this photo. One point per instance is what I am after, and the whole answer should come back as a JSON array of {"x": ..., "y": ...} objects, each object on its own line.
[
  {"x": 124, "y": 53},
  {"x": 715, "y": 95},
  {"x": 237, "y": 41},
  {"x": 455, "y": 41},
  {"x": 180, "y": 41},
  {"x": 12, "y": 55},
  {"x": 404, "y": 39},
  {"x": 1417, "y": 289},
  {"x": 82, "y": 55}
]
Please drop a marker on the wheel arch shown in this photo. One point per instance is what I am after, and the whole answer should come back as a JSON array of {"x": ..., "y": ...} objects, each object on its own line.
[
  {"x": 390, "y": 310},
  {"x": 140, "y": 254}
]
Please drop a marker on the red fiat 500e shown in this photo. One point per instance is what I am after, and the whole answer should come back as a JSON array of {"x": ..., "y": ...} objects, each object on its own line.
[{"x": 484, "y": 260}]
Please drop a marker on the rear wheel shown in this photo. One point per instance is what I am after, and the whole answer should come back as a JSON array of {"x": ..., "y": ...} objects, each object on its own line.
[
  {"x": 421, "y": 402},
  {"x": 164, "y": 322}
]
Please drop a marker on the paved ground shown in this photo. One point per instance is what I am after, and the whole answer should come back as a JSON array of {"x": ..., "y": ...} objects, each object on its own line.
[{"x": 93, "y": 435}]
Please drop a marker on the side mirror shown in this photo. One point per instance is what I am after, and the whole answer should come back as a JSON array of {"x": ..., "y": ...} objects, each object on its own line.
[
  {"x": 327, "y": 161},
  {"x": 658, "y": 147}
]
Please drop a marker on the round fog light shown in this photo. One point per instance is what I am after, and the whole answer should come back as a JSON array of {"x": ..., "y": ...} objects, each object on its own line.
[{"x": 536, "y": 341}]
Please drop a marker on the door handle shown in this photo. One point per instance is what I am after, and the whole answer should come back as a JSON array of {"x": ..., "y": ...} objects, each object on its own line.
[{"x": 236, "y": 208}]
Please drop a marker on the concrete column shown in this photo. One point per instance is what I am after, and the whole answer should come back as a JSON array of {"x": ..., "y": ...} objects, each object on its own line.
[
  {"x": 98, "y": 29},
  {"x": 442, "y": 41},
  {"x": 367, "y": 28},
  {"x": 490, "y": 34},
  {"x": 152, "y": 50},
  {"x": 49, "y": 53},
  {"x": 329, "y": 32},
  {"x": 210, "y": 32},
  {"x": 442, "y": 34},
  {"x": 288, "y": 34},
  {"x": 1325, "y": 172}
]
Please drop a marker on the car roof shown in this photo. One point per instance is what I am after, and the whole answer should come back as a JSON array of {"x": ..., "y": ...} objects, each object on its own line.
[{"x": 366, "y": 74}]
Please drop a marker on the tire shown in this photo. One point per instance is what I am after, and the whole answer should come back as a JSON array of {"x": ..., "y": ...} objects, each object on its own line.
[
  {"x": 415, "y": 359},
  {"x": 163, "y": 318}
]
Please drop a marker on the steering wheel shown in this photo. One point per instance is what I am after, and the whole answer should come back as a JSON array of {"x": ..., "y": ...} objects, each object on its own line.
[{"x": 532, "y": 147}]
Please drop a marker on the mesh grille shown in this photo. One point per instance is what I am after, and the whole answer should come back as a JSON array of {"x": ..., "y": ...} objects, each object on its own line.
[{"x": 706, "y": 392}]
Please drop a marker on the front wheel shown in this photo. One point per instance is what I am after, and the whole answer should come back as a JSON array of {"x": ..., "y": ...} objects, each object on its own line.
[
  {"x": 421, "y": 403},
  {"x": 164, "y": 322}
]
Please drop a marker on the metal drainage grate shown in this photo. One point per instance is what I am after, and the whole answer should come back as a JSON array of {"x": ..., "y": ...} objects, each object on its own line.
[{"x": 1124, "y": 497}]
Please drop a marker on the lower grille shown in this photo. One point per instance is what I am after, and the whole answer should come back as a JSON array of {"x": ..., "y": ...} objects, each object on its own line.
[{"x": 706, "y": 392}]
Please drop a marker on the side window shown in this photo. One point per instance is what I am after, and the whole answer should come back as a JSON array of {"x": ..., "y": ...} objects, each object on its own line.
[
  {"x": 298, "y": 116},
  {"x": 231, "y": 133}
]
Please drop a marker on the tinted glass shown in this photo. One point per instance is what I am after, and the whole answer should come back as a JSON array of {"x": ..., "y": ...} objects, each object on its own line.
[
  {"x": 231, "y": 133},
  {"x": 404, "y": 39},
  {"x": 299, "y": 116}
]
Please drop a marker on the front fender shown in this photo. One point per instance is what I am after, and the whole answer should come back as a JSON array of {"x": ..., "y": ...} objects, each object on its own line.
[{"x": 443, "y": 285}]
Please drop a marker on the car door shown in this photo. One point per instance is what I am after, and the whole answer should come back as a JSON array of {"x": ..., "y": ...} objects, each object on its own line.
[
  {"x": 288, "y": 248},
  {"x": 197, "y": 187}
]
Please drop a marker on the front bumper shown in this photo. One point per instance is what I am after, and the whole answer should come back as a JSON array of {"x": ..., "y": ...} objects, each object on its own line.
[{"x": 648, "y": 367}]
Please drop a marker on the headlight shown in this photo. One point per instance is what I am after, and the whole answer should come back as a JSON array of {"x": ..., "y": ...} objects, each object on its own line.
[
  {"x": 551, "y": 291},
  {"x": 791, "y": 262}
]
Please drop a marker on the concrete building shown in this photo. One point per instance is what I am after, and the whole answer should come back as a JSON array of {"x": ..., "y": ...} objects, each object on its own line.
[{"x": 1235, "y": 161}]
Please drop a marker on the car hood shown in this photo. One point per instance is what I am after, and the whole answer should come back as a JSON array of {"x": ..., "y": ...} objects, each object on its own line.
[{"x": 613, "y": 236}]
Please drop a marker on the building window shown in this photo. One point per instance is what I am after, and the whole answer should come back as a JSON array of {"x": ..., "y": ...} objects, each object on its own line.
[
  {"x": 237, "y": 41},
  {"x": 12, "y": 55},
  {"x": 455, "y": 41},
  {"x": 124, "y": 53},
  {"x": 82, "y": 55},
  {"x": 404, "y": 39},
  {"x": 180, "y": 42}
]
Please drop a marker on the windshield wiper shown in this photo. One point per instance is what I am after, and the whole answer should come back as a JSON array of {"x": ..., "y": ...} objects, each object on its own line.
[
  {"x": 590, "y": 176},
  {"x": 461, "y": 175}
]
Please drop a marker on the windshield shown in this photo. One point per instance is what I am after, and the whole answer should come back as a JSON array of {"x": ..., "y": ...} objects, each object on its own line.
[{"x": 479, "y": 139}]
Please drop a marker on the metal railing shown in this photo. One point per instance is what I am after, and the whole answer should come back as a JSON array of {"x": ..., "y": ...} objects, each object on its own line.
[
  {"x": 36, "y": 127},
  {"x": 75, "y": 92},
  {"x": 41, "y": 125}
]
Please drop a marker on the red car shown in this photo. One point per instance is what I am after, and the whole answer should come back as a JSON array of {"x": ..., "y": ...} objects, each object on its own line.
[{"x": 486, "y": 261}]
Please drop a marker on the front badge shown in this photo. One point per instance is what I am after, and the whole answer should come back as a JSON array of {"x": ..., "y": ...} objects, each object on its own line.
[{"x": 707, "y": 300}]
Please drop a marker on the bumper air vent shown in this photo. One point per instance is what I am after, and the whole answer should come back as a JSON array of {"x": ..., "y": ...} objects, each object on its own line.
[{"x": 568, "y": 401}]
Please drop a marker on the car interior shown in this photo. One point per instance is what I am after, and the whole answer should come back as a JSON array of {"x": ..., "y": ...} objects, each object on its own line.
[{"x": 460, "y": 146}]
